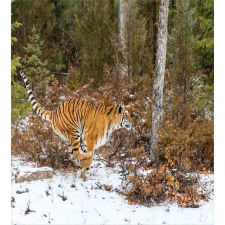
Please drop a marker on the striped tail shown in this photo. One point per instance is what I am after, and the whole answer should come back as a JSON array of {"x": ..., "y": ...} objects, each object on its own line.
[{"x": 44, "y": 114}]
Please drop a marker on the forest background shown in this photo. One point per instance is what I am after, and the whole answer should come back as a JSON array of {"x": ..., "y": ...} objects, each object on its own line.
[{"x": 71, "y": 48}]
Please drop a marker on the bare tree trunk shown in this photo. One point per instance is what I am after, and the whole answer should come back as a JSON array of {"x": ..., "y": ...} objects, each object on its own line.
[
  {"x": 159, "y": 76},
  {"x": 124, "y": 69},
  {"x": 122, "y": 11},
  {"x": 154, "y": 32}
]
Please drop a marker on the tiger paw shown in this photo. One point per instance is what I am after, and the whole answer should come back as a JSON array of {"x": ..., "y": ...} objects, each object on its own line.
[
  {"x": 83, "y": 176},
  {"x": 83, "y": 156},
  {"x": 87, "y": 155}
]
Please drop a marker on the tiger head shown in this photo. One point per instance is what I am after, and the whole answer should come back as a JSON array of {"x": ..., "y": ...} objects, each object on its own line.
[{"x": 123, "y": 118}]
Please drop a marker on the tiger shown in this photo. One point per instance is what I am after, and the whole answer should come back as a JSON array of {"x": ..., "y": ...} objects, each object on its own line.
[{"x": 82, "y": 125}]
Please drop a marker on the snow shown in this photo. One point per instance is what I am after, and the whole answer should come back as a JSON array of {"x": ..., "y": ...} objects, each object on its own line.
[{"x": 67, "y": 199}]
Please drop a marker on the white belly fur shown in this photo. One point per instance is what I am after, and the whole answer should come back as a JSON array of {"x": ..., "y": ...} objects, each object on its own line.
[
  {"x": 101, "y": 142},
  {"x": 104, "y": 139}
]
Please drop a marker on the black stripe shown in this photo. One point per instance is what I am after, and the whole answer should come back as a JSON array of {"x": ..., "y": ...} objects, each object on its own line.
[
  {"x": 63, "y": 117},
  {"x": 72, "y": 116},
  {"x": 57, "y": 122},
  {"x": 32, "y": 98},
  {"x": 35, "y": 107},
  {"x": 38, "y": 110},
  {"x": 69, "y": 115},
  {"x": 109, "y": 126},
  {"x": 75, "y": 137},
  {"x": 75, "y": 144},
  {"x": 63, "y": 114},
  {"x": 75, "y": 149},
  {"x": 82, "y": 103},
  {"x": 35, "y": 102},
  {"x": 110, "y": 111}
]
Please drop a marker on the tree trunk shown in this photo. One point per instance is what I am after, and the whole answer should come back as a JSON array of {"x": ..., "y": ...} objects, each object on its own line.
[
  {"x": 122, "y": 6},
  {"x": 154, "y": 31},
  {"x": 159, "y": 76},
  {"x": 124, "y": 69}
]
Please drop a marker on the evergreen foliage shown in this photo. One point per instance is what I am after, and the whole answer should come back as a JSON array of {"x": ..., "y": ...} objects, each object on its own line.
[
  {"x": 149, "y": 11},
  {"x": 67, "y": 12},
  {"x": 19, "y": 105},
  {"x": 39, "y": 14},
  {"x": 206, "y": 37},
  {"x": 181, "y": 50},
  {"x": 57, "y": 64},
  {"x": 93, "y": 36},
  {"x": 34, "y": 67},
  {"x": 79, "y": 34}
]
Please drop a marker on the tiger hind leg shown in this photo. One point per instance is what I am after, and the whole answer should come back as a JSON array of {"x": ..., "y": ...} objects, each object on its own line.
[
  {"x": 81, "y": 156},
  {"x": 71, "y": 158},
  {"x": 86, "y": 163},
  {"x": 76, "y": 154}
]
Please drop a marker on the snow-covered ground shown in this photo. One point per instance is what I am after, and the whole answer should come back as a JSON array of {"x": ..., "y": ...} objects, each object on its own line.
[{"x": 67, "y": 199}]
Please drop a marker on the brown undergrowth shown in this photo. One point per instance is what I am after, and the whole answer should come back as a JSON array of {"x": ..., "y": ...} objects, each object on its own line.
[{"x": 165, "y": 184}]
